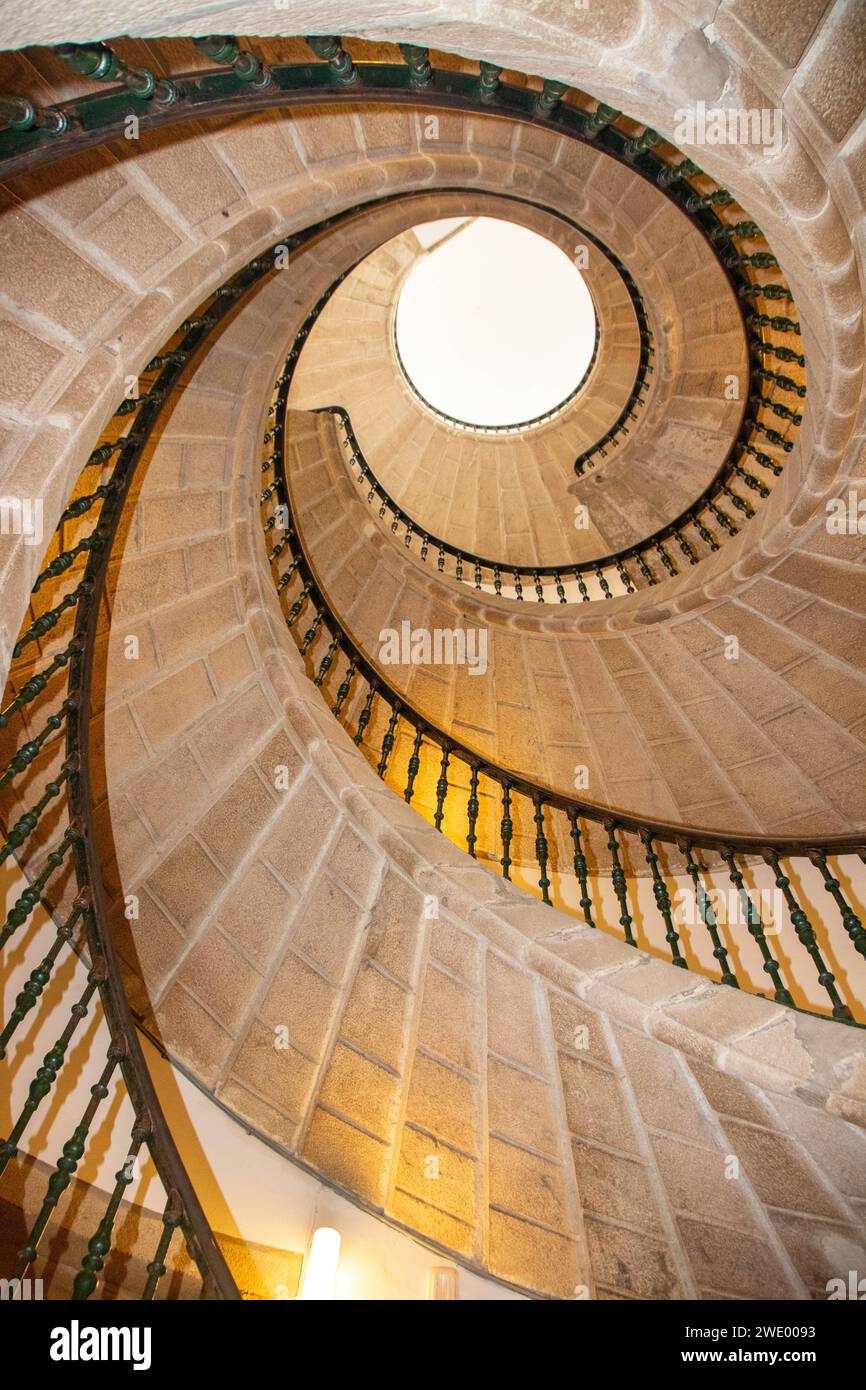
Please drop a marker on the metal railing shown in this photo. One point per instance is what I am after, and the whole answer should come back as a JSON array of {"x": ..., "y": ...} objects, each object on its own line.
[{"x": 447, "y": 779}]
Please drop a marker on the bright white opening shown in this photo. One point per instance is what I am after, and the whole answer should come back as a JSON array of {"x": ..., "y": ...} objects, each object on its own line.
[{"x": 494, "y": 325}]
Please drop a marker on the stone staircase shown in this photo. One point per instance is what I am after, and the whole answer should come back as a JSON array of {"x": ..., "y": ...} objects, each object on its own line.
[{"x": 531, "y": 1097}]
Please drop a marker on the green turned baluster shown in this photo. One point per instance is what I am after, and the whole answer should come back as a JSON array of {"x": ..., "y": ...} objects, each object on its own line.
[
  {"x": 850, "y": 921},
  {"x": 497, "y": 581},
  {"x": 312, "y": 632},
  {"x": 619, "y": 881},
  {"x": 750, "y": 480},
  {"x": 66, "y": 559},
  {"x": 407, "y": 540},
  {"x": 102, "y": 64},
  {"x": 756, "y": 929},
  {"x": 99, "y": 1245},
  {"x": 288, "y": 575},
  {"x": 644, "y": 568},
  {"x": 134, "y": 403},
  {"x": 737, "y": 501},
  {"x": 580, "y": 868},
  {"x": 506, "y": 830},
  {"x": 105, "y": 452},
  {"x": 747, "y": 230},
  {"x": 632, "y": 149},
  {"x": 805, "y": 933},
  {"x": 764, "y": 459},
  {"x": 345, "y": 687},
  {"x": 761, "y": 260},
  {"x": 364, "y": 716},
  {"x": 425, "y": 545},
  {"x": 388, "y": 739},
  {"x": 625, "y": 577},
  {"x": 49, "y": 620},
  {"x": 603, "y": 584},
  {"x": 666, "y": 559},
  {"x": 774, "y": 435},
  {"x": 73, "y": 1151},
  {"x": 584, "y": 592},
  {"x": 673, "y": 173},
  {"x": 549, "y": 97},
  {"x": 326, "y": 662},
  {"x": 414, "y": 766},
  {"x": 752, "y": 291},
  {"x": 27, "y": 823},
  {"x": 723, "y": 519},
  {"x": 36, "y": 684},
  {"x": 331, "y": 51},
  {"x": 224, "y": 49},
  {"x": 47, "y": 1074},
  {"x": 472, "y": 809},
  {"x": 518, "y": 586},
  {"x": 40, "y": 976},
  {"x": 459, "y": 568},
  {"x": 541, "y": 850},
  {"x": 705, "y": 534},
  {"x": 780, "y": 322},
  {"x": 539, "y": 587},
  {"x": 784, "y": 412},
  {"x": 203, "y": 321},
  {"x": 719, "y": 199},
  {"x": 171, "y": 1217},
  {"x": 24, "y": 905},
  {"x": 440, "y": 558},
  {"x": 175, "y": 358},
  {"x": 708, "y": 917},
  {"x": 294, "y": 611},
  {"x": 418, "y": 62},
  {"x": 384, "y": 507},
  {"x": 783, "y": 354},
  {"x": 278, "y": 549},
  {"x": 599, "y": 119},
  {"x": 21, "y": 115},
  {"x": 269, "y": 491},
  {"x": 488, "y": 80},
  {"x": 684, "y": 546},
  {"x": 28, "y": 751},
  {"x": 442, "y": 788},
  {"x": 784, "y": 383},
  {"x": 663, "y": 901}
]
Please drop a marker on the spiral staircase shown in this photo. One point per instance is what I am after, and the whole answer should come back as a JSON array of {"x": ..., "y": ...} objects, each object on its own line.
[{"x": 556, "y": 967}]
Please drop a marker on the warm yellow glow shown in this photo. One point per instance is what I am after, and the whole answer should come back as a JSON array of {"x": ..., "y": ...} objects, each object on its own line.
[
  {"x": 442, "y": 1282},
  {"x": 320, "y": 1271}
]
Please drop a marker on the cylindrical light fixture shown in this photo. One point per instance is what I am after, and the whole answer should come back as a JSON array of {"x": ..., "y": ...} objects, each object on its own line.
[
  {"x": 442, "y": 1282},
  {"x": 320, "y": 1271}
]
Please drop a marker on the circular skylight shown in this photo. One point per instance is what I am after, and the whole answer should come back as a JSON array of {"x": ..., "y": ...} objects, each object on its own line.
[{"x": 495, "y": 325}]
